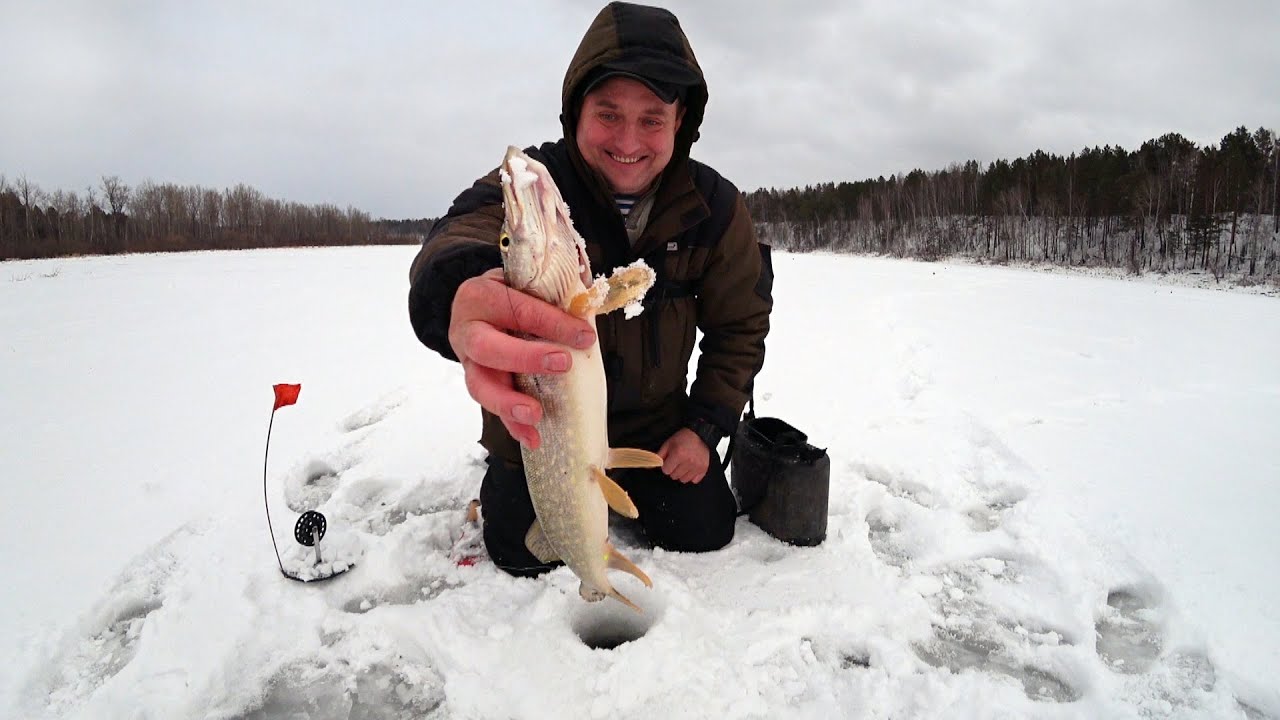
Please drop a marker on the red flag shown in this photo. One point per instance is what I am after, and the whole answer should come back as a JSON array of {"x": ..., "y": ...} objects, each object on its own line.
[{"x": 286, "y": 395}]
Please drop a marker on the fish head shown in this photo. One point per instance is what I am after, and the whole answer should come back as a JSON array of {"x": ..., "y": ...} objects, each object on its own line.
[{"x": 542, "y": 254}]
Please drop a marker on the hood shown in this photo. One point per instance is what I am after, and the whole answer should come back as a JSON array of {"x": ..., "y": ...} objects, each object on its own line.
[{"x": 639, "y": 40}]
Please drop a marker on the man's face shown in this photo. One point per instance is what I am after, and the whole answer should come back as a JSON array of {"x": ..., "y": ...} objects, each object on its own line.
[{"x": 627, "y": 134}]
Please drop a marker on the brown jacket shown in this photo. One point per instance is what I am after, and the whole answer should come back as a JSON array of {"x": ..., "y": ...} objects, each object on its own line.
[{"x": 713, "y": 274}]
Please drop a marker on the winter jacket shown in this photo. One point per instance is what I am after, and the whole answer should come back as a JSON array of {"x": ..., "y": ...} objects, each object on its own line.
[{"x": 713, "y": 275}]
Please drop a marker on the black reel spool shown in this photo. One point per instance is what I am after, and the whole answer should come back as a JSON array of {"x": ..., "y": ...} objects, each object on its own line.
[{"x": 309, "y": 530}]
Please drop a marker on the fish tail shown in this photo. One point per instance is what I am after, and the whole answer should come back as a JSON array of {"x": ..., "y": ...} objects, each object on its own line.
[{"x": 623, "y": 599}]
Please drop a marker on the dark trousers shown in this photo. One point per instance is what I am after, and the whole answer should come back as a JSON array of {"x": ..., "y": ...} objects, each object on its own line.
[{"x": 674, "y": 515}]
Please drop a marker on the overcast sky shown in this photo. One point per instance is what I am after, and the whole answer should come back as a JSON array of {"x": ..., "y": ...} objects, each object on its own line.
[{"x": 396, "y": 107}]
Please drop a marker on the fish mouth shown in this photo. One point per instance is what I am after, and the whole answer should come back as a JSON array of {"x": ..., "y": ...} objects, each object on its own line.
[
  {"x": 524, "y": 229},
  {"x": 544, "y": 249}
]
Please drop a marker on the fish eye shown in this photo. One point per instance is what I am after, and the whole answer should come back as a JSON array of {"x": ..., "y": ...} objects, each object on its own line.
[{"x": 504, "y": 241}]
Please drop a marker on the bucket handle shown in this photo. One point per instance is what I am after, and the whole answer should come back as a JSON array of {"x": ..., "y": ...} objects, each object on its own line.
[{"x": 728, "y": 452}]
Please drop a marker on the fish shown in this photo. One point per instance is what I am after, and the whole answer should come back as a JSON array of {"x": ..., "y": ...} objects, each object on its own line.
[{"x": 545, "y": 257}]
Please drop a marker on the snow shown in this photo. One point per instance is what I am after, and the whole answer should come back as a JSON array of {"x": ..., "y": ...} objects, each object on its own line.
[
  {"x": 1051, "y": 496},
  {"x": 521, "y": 176}
]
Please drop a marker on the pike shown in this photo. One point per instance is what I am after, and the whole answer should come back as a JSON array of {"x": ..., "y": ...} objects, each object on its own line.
[{"x": 543, "y": 256}]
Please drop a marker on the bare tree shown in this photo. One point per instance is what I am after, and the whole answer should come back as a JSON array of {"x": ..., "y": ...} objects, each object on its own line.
[
  {"x": 30, "y": 195},
  {"x": 92, "y": 211},
  {"x": 116, "y": 193},
  {"x": 118, "y": 197}
]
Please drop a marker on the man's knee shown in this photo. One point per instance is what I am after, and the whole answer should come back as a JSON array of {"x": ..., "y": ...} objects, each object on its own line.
[
  {"x": 508, "y": 513},
  {"x": 712, "y": 535},
  {"x": 691, "y": 518}
]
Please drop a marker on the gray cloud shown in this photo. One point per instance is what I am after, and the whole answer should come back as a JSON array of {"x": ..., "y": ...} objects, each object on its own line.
[{"x": 395, "y": 107}]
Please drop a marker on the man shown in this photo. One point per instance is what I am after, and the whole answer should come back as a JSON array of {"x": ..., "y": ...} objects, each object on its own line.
[{"x": 633, "y": 99}]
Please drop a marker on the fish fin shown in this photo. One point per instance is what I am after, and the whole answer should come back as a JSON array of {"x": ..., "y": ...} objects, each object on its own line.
[
  {"x": 627, "y": 285},
  {"x": 590, "y": 594},
  {"x": 618, "y": 561},
  {"x": 623, "y": 599},
  {"x": 580, "y": 305},
  {"x": 632, "y": 458},
  {"x": 617, "y": 498},
  {"x": 539, "y": 545}
]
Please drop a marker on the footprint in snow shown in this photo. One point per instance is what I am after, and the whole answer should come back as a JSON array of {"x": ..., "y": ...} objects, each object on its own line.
[
  {"x": 973, "y": 635},
  {"x": 103, "y": 655},
  {"x": 842, "y": 652},
  {"x": 964, "y": 649},
  {"x": 429, "y": 552},
  {"x": 397, "y": 689},
  {"x": 1129, "y": 640},
  {"x": 990, "y": 516},
  {"x": 413, "y": 590},
  {"x": 113, "y": 637},
  {"x": 897, "y": 486},
  {"x": 377, "y": 504},
  {"x": 375, "y": 413},
  {"x": 882, "y": 533},
  {"x": 313, "y": 485}
]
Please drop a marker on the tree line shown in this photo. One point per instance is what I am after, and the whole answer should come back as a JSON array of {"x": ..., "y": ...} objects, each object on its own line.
[
  {"x": 1167, "y": 206},
  {"x": 115, "y": 218}
]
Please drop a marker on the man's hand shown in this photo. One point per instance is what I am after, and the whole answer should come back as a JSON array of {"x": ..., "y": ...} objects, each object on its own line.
[
  {"x": 685, "y": 457},
  {"x": 484, "y": 309}
]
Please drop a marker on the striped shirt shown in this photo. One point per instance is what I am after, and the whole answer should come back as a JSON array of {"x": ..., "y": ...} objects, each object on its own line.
[{"x": 625, "y": 203}]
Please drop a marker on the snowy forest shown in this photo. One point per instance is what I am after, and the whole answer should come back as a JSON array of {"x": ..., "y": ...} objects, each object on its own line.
[
  {"x": 1167, "y": 206},
  {"x": 115, "y": 218}
]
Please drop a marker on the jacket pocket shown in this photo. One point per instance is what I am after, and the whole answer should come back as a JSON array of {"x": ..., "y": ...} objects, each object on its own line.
[{"x": 668, "y": 340}]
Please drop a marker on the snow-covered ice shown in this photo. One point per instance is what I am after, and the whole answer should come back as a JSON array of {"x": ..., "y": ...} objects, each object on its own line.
[{"x": 1051, "y": 496}]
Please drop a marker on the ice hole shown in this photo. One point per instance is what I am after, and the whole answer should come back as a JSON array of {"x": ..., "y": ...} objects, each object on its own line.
[{"x": 608, "y": 624}]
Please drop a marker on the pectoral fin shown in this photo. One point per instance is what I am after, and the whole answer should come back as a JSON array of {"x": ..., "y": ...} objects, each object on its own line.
[
  {"x": 614, "y": 495},
  {"x": 580, "y": 305},
  {"x": 627, "y": 285},
  {"x": 539, "y": 545},
  {"x": 632, "y": 458}
]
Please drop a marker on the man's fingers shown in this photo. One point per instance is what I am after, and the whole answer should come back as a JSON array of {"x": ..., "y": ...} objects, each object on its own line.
[
  {"x": 495, "y": 393},
  {"x": 526, "y": 435},
  {"x": 530, "y": 315},
  {"x": 677, "y": 467},
  {"x": 485, "y": 345},
  {"x": 487, "y": 298},
  {"x": 687, "y": 474},
  {"x": 684, "y": 458}
]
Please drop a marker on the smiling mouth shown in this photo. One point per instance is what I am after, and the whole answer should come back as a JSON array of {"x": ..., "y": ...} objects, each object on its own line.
[{"x": 624, "y": 159}]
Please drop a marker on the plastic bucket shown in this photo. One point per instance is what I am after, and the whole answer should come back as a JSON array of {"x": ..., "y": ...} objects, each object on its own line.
[{"x": 781, "y": 481}]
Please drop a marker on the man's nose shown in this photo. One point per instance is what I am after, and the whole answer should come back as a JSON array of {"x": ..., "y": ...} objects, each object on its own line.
[{"x": 627, "y": 138}]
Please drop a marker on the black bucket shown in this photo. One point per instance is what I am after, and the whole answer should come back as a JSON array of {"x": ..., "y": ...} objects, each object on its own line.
[{"x": 781, "y": 480}]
